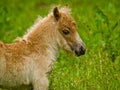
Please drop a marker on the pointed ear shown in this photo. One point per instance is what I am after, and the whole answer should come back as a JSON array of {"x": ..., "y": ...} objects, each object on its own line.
[{"x": 56, "y": 13}]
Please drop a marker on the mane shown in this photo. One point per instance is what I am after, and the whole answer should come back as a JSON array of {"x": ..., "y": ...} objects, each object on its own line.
[
  {"x": 30, "y": 30},
  {"x": 36, "y": 23},
  {"x": 39, "y": 20}
]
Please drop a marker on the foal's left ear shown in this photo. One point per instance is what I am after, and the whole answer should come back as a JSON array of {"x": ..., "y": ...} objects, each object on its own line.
[{"x": 56, "y": 13}]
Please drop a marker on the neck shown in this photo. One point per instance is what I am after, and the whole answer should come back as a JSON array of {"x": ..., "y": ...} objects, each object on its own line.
[{"x": 43, "y": 37}]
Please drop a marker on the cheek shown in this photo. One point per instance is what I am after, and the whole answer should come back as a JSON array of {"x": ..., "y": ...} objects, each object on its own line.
[
  {"x": 61, "y": 40},
  {"x": 70, "y": 39}
]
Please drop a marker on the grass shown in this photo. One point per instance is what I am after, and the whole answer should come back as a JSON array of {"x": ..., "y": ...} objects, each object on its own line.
[{"x": 99, "y": 27}]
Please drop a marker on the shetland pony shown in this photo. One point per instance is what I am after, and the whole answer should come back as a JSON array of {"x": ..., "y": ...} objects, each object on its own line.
[{"x": 27, "y": 62}]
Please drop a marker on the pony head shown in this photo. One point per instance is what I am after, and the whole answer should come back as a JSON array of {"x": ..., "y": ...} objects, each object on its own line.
[{"x": 67, "y": 31}]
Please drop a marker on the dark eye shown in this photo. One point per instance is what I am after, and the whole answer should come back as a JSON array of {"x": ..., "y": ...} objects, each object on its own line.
[{"x": 66, "y": 32}]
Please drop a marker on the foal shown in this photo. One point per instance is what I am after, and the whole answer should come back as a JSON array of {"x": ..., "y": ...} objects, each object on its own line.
[{"x": 26, "y": 62}]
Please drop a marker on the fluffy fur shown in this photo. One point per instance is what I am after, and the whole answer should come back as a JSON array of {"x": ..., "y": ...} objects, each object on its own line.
[{"x": 27, "y": 62}]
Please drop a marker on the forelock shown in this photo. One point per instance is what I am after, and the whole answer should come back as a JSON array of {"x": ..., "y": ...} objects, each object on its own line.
[{"x": 65, "y": 10}]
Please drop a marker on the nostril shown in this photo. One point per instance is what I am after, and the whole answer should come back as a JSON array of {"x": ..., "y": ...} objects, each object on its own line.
[
  {"x": 77, "y": 53},
  {"x": 82, "y": 50},
  {"x": 79, "y": 49}
]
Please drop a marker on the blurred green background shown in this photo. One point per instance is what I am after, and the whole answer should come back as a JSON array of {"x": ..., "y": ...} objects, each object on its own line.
[{"x": 99, "y": 26}]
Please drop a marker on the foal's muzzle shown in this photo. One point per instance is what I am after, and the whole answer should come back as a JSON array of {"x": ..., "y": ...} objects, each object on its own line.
[{"x": 79, "y": 49}]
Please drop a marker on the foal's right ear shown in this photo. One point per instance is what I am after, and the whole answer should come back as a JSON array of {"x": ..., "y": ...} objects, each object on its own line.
[{"x": 56, "y": 13}]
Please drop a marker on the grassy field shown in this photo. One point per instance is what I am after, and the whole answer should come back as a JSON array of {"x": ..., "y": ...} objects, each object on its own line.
[{"x": 99, "y": 26}]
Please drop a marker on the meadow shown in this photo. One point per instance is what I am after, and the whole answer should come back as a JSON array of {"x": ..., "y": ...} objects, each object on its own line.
[{"x": 98, "y": 25}]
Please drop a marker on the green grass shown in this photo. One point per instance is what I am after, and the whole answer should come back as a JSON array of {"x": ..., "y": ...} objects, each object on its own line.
[{"x": 99, "y": 26}]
